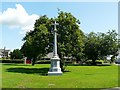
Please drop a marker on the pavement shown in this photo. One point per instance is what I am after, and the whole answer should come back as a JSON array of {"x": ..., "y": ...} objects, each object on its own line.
[{"x": 115, "y": 88}]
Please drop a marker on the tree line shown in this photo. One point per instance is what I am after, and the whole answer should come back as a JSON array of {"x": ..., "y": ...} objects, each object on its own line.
[{"x": 72, "y": 41}]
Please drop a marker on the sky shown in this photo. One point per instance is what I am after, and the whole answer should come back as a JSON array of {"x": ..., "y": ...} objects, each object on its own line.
[{"x": 16, "y": 18}]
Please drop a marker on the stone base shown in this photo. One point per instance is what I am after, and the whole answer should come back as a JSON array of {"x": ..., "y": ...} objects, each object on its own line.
[
  {"x": 55, "y": 66},
  {"x": 54, "y": 73}
]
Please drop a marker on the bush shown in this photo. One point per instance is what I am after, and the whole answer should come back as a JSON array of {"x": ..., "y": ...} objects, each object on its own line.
[
  {"x": 89, "y": 62},
  {"x": 99, "y": 62},
  {"x": 13, "y": 61}
]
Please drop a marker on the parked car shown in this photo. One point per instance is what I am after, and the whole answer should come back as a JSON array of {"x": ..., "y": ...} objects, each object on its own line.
[{"x": 117, "y": 61}]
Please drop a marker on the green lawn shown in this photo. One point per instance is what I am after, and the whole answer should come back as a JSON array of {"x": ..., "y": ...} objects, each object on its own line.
[{"x": 27, "y": 76}]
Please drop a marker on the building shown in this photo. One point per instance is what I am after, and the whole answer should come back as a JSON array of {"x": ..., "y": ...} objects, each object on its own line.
[
  {"x": 118, "y": 57},
  {"x": 48, "y": 56},
  {"x": 4, "y": 53}
]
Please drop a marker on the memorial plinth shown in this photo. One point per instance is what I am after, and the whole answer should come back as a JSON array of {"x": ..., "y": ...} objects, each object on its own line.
[{"x": 55, "y": 60}]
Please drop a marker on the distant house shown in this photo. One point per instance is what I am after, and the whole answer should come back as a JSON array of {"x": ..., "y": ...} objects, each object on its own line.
[
  {"x": 4, "y": 53},
  {"x": 118, "y": 57},
  {"x": 48, "y": 56},
  {"x": 109, "y": 57}
]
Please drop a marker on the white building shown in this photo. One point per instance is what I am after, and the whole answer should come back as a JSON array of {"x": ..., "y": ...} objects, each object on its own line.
[
  {"x": 118, "y": 57},
  {"x": 4, "y": 53}
]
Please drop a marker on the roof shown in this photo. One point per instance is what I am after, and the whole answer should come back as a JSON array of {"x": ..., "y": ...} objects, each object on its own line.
[
  {"x": 49, "y": 55},
  {"x": 3, "y": 50}
]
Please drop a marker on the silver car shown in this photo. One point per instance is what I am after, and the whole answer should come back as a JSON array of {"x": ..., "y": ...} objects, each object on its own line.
[{"x": 117, "y": 61}]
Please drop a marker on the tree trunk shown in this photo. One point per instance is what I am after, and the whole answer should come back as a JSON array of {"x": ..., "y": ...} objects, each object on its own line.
[
  {"x": 77, "y": 60},
  {"x": 33, "y": 61},
  {"x": 93, "y": 62},
  {"x": 61, "y": 66}
]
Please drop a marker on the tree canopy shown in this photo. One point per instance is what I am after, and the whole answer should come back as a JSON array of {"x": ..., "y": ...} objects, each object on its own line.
[
  {"x": 16, "y": 54},
  {"x": 39, "y": 42},
  {"x": 72, "y": 42},
  {"x": 100, "y": 45}
]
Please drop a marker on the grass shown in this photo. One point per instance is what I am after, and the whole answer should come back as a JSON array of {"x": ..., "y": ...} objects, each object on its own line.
[{"x": 27, "y": 76}]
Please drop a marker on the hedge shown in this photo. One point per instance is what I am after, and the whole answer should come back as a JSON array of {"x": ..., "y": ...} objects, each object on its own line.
[{"x": 12, "y": 61}]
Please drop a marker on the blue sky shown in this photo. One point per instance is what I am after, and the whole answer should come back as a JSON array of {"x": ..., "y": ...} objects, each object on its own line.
[{"x": 94, "y": 16}]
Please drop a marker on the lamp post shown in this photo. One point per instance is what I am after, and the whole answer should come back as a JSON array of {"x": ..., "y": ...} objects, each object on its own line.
[{"x": 55, "y": 60}]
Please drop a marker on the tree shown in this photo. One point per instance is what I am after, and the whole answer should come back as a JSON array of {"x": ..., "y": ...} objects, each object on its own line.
[
  {"x": 110, "y": 44},
  {"x": 37, "y": 41},
  {"x": 99, "y": 45},
  {"x": 70, "y": 37},
  {"x": 40, "y": 41},
  {"x": 91, "y": 47},
  {"x": 16, "y": 54}
]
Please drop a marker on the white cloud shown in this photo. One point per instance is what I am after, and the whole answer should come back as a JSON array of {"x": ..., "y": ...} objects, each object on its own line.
[{"x": 18, "y": 18}]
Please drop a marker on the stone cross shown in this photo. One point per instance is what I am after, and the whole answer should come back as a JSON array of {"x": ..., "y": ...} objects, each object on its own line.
[
  {"x": 55, "y": 40},
  {"x": 55, "y": 60}
]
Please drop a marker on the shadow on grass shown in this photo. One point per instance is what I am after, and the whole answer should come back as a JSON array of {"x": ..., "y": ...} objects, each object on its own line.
[
  {"x": 40, "y": 71},
  {"x": 16, "y": 64},
  {"x": 104, "y": 65},
  {"x": 88, "y": 65},
  {"x": 66, "y": 71}
]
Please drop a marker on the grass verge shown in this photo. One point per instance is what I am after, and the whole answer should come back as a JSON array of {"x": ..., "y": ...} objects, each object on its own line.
[{"x": 27, "y": 76}]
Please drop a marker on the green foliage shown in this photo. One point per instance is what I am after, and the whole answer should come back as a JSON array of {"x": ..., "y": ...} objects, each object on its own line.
[
  {"x": 99, "y": 62},
  {"x": 109, "y": 42},
  {"x": 91, "y": 46},
  {"x": 70, "y": 37},
  {"x": 99, "y": 45},
  {"x": 16, "y": 54},
  {"x": 40, "y": 41},
  {"x": 71, "y": 40},
  {"x": 37, "y": 41}
]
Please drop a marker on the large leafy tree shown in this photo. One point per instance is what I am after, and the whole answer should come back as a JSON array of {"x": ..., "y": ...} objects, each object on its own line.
[
  {"x": 110, "y": 44},
  {"x": 40, "y": 41},
  {"x": 37, "y": 41},
  {"x": 70, "y": 37},
  {"x": 91, "y": 46},
  {"x": 99, "y": 45}
]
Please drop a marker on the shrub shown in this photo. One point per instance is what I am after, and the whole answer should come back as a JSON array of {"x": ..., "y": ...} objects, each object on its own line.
[
  {"x": 89, "y": 62},
  {"x": 99, "y": 62},
  {"x": 13, "y": 61}
]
